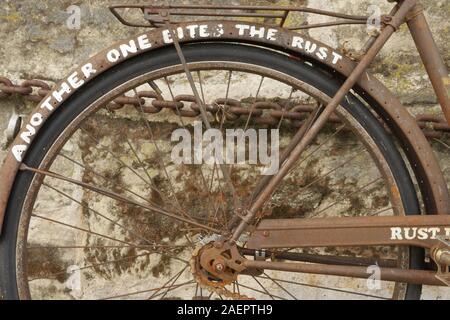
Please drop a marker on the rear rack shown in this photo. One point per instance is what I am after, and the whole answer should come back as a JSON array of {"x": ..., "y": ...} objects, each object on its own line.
[{"x": 150, "y": 16}]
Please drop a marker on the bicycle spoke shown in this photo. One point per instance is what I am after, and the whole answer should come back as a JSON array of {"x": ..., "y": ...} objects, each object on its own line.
[
  {"x": 223, "y": 166},
  {"x": 97, "y": 213},
  {"x": 280, "y": 286},
  {"x": 381, "y": 211},
  {"x": 237, "y": 287},
  {"x": 347, "y": 196},
  {"x": 119, "y": 197},
  {"x": 264, "y": 288},
  {"x": 319, "y": 147},
  {"x": 442, "y": 143},
  {"x": 315, "y": 181},
  {"x": 158, "y": 151},
  {"x": 325, "y": 288},
  {"x": 259, "y": 291},
  {"x": 203, "y": 113},
  {"x": 115, "y": 157},
  {"x": 199, "y": 76},
  {"x": 180, "y": 118},
  {"x": 129, "y": 245},
  {"x": 252, "y": 108},
  {"x": 175, "y": 279},
  {"x": 141, "y": 164},
  {"x": 81, "y": 229},
  {"x": 146, "y": 172},
  {"x": 62, "y": 272},
  {"x": 121, "y": 188},
  {"x": 108, "y": 247},
  {"x": 146, "y": 291}
]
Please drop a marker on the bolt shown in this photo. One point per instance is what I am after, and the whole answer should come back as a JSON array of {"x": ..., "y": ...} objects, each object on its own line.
[
  {"x": 219, "y": 267},
  {"x": 442, "y": 256},
  {"x": 266, "y": 233}
]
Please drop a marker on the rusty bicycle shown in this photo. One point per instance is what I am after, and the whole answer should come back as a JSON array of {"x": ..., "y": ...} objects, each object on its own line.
[{"x": 94, "y": 206}]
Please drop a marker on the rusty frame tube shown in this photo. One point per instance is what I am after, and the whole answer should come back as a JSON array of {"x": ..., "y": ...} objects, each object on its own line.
[
  {"x": 271, "y": 8},
  {"x": 418, "y": 150},
  {"x": 317, "y": 258},
  {"x": 431, "y": 58},
  {"x": 397, "y": 20},
  {"x": 199, "y": 10},
  {"x": 386, "y": 274},
  {"x": 354, "y": 231}
]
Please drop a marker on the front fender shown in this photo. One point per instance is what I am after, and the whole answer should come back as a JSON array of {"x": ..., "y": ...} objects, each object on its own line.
[{"x": 433, "y": 186}]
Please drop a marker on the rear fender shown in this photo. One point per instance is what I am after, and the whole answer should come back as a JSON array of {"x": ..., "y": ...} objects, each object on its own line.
[{"x": 432, "y": 183}]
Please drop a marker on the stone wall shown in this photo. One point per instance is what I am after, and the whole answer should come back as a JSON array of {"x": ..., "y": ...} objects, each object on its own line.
[{"x": 36, "y": 43}]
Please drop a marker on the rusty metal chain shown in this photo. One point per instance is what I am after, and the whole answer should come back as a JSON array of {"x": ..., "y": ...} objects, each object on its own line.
[
  {"x": 33, "y": 90},
  {"x": 433, "y": 126},
  {"x": 262, "y": 112}
]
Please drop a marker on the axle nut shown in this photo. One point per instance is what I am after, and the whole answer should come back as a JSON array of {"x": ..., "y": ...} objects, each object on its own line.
[{"x": 219, "y": 267}]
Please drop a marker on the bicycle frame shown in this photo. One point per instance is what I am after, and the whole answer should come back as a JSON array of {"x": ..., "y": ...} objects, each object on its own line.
[
  {"x": 431, "y": 58},
  {"x": 346, "y": 231},
  {"x": 408, "y": 11},
  {"x": 369, "y": 231},
  {"x": 380, "y": 228}
]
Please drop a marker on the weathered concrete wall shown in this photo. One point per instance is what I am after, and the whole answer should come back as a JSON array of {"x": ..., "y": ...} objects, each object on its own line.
[{"x": 36, "y": 43}]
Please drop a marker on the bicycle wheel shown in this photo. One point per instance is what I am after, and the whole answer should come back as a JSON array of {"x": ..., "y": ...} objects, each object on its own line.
[{"x": 92, "y": 232}]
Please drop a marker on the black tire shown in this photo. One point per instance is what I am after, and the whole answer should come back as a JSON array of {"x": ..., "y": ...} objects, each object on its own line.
[{"x": 167, "y": 57}]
